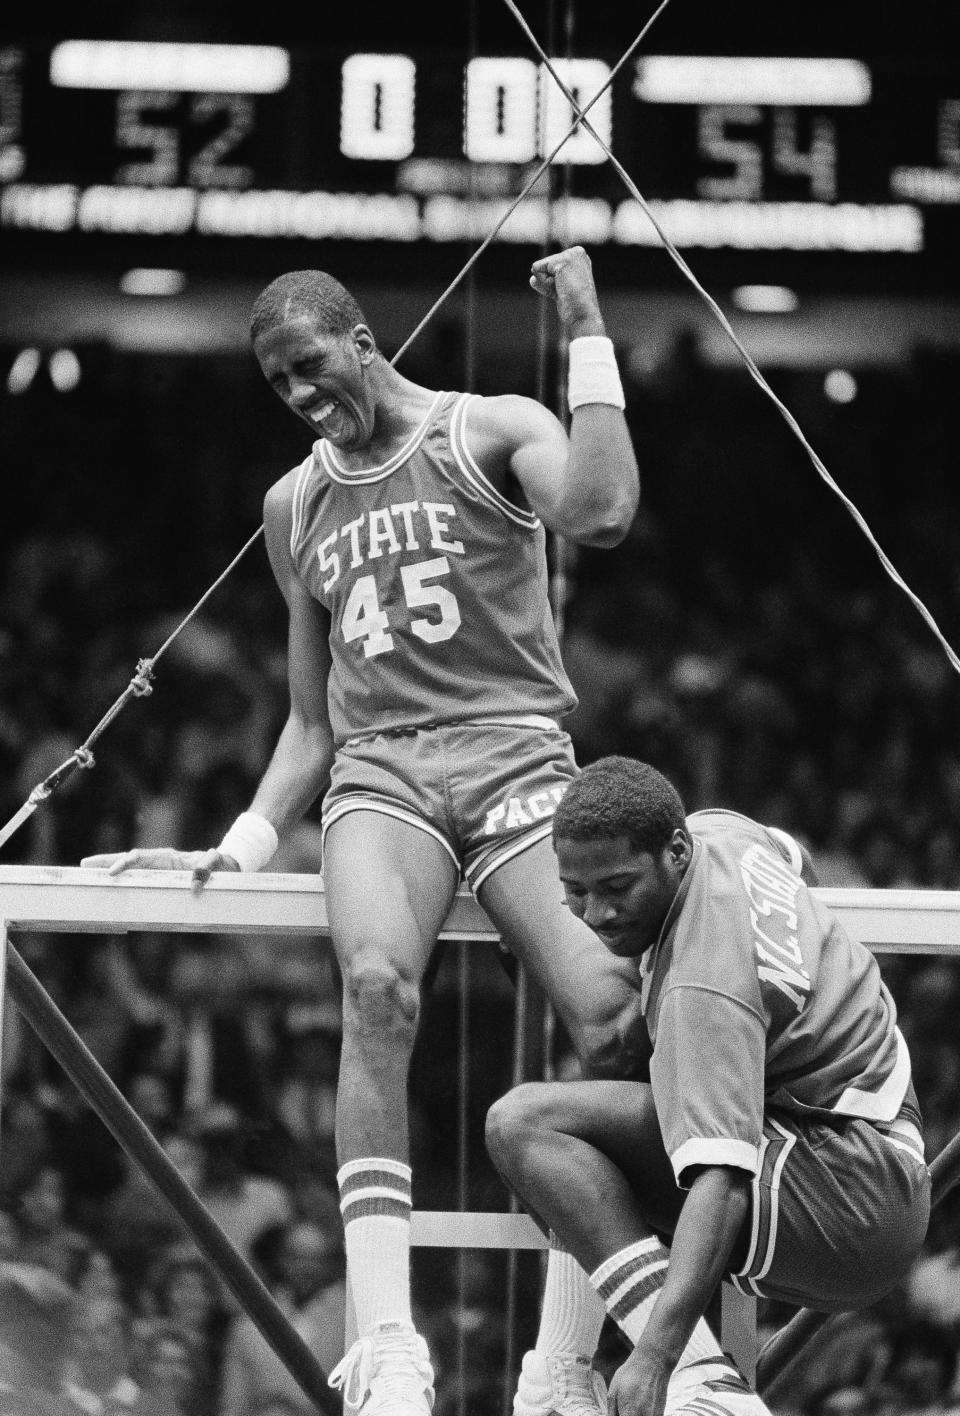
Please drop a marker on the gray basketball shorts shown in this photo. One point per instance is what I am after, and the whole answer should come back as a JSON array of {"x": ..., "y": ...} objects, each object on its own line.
[
  {"x": 839, "y": 1212},
  {"x": 485, "y": 791}
]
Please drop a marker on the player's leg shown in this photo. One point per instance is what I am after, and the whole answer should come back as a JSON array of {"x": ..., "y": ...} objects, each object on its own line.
[
  {"x": 596, "y": 995},
  {"x": 389, "y": 887},
  {"x": 589, "y": 1161},
  {"x": 510, "y": 782}
]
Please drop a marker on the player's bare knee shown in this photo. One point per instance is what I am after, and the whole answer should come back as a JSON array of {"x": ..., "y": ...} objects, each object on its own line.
[
  {"x": 513, "y": 1123},
  {"x": 379, "y": 1001}
]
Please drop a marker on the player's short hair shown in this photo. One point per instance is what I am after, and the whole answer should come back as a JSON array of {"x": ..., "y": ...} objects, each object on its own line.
[
  {"x": 305, "y": 292},
  {"x": 619, "y": 796}
]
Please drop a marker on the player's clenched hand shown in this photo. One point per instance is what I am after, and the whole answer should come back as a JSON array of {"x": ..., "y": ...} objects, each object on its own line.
[
  {"x": 567, "y": 278},
  {"x": 639, "y": 1386},
  {"x": 201, "y": 863}
]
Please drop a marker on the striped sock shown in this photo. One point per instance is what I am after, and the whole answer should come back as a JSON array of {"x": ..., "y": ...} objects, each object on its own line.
[
  {"x": 573, "y": 1312},
  {"x": 375, "y": 1201},
  {"x": 629, "y": 1282}
]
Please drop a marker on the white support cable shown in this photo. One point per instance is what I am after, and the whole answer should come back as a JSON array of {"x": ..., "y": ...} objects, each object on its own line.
[
  {"x": 140, "y": 686},
  {"x": 751, "y": 366},
  {"x": 538, "y": 173}
]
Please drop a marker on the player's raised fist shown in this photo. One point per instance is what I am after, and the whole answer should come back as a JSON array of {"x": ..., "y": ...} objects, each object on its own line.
[{"x": 567, "y": 278}]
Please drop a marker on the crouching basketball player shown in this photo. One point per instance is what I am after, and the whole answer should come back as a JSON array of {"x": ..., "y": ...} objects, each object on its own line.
[{"x": 777, "y": 1141}]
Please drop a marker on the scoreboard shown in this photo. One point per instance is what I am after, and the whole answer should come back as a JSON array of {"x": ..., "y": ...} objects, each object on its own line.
[{"x": 256, "y": 143}]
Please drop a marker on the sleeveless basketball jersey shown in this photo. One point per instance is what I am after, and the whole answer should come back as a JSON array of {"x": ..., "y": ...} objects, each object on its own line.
[
  {"x": 756, "y": 998},
  {"x": 436, "y": 585}
]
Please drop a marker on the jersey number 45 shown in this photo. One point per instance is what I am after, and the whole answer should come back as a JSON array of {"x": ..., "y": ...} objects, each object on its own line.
[{"x": 364, "y": 619}]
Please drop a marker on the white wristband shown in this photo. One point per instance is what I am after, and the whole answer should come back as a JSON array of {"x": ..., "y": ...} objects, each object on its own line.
[
  {"x": 251, "y": 841},
  {"x": 593, "y": 376}
]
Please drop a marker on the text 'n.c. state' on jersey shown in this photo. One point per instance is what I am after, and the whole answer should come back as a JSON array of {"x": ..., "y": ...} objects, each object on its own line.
[{"x": 756, "y": 998}]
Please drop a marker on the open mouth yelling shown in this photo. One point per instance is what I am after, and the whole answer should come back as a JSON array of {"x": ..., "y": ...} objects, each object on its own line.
[{"x": 320, "y": 415}]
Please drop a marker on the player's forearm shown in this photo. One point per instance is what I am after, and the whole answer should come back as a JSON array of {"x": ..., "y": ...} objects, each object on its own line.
[
  {"x": 710, "y": 1221},
  {"x": 583, "y": 319},
  {"x": 599, "y": 490},
  {"x": 296, "y": 774},
  {"x": 602, "y": 486}
]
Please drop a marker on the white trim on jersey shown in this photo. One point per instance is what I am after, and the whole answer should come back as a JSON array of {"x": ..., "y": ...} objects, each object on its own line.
[
  {"x": 906, "y": 1135},
  {"x": 299, "y": 497},
  {"x": 365, "y": 475},
  {"x": 884, "y": 1103},
  {"x": 914, "y": 1148},
  {"x": 715, "y": 1150},
  {"x": 472, "y": 472},
  {"x": 785, "y": 839}
]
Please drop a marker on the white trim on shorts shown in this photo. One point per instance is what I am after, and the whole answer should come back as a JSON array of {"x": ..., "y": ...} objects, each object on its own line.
[
  {"x": 474, "y": 875},
  {"x": 384, "y": 806},
  {"x": 764, "y": 1218},
  {"x": 485, "y": 865}
]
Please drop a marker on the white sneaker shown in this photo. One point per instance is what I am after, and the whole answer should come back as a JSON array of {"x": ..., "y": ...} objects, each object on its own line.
[
  {"x": 712, "y": 1387},
  {"x": 563, "y": 1385},
  {"x": 388, "y": 1372}
]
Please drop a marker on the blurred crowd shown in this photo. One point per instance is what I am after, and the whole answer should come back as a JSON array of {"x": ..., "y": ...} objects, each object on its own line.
[{"x": 747, "y": 639}]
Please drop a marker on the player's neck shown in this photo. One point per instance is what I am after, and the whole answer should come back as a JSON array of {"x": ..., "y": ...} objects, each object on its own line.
[{"x": 401, "y": 408}]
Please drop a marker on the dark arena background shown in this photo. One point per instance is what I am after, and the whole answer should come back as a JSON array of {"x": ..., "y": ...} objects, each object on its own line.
[{"x": 757, "y": 636}]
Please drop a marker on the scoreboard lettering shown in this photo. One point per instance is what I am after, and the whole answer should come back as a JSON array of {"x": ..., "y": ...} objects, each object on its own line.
[{"x": 836, "y": 154}]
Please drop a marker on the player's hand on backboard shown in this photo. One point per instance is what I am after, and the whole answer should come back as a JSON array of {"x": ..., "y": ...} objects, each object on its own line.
[
  {"x": 202, "y": 864},
  {"x": 567, "y": 278}
]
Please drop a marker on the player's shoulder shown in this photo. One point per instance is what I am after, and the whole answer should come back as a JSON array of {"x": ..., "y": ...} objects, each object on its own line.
[
  {"x": 719, "y": 823},
  {"x": 507, "y": 420},
  {"x": 278, "y": 500},
  {"x": 713, "y": 820}
]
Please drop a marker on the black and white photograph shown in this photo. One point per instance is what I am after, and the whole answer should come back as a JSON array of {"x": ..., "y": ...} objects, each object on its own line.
[{"x": 479, "y": 702}]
